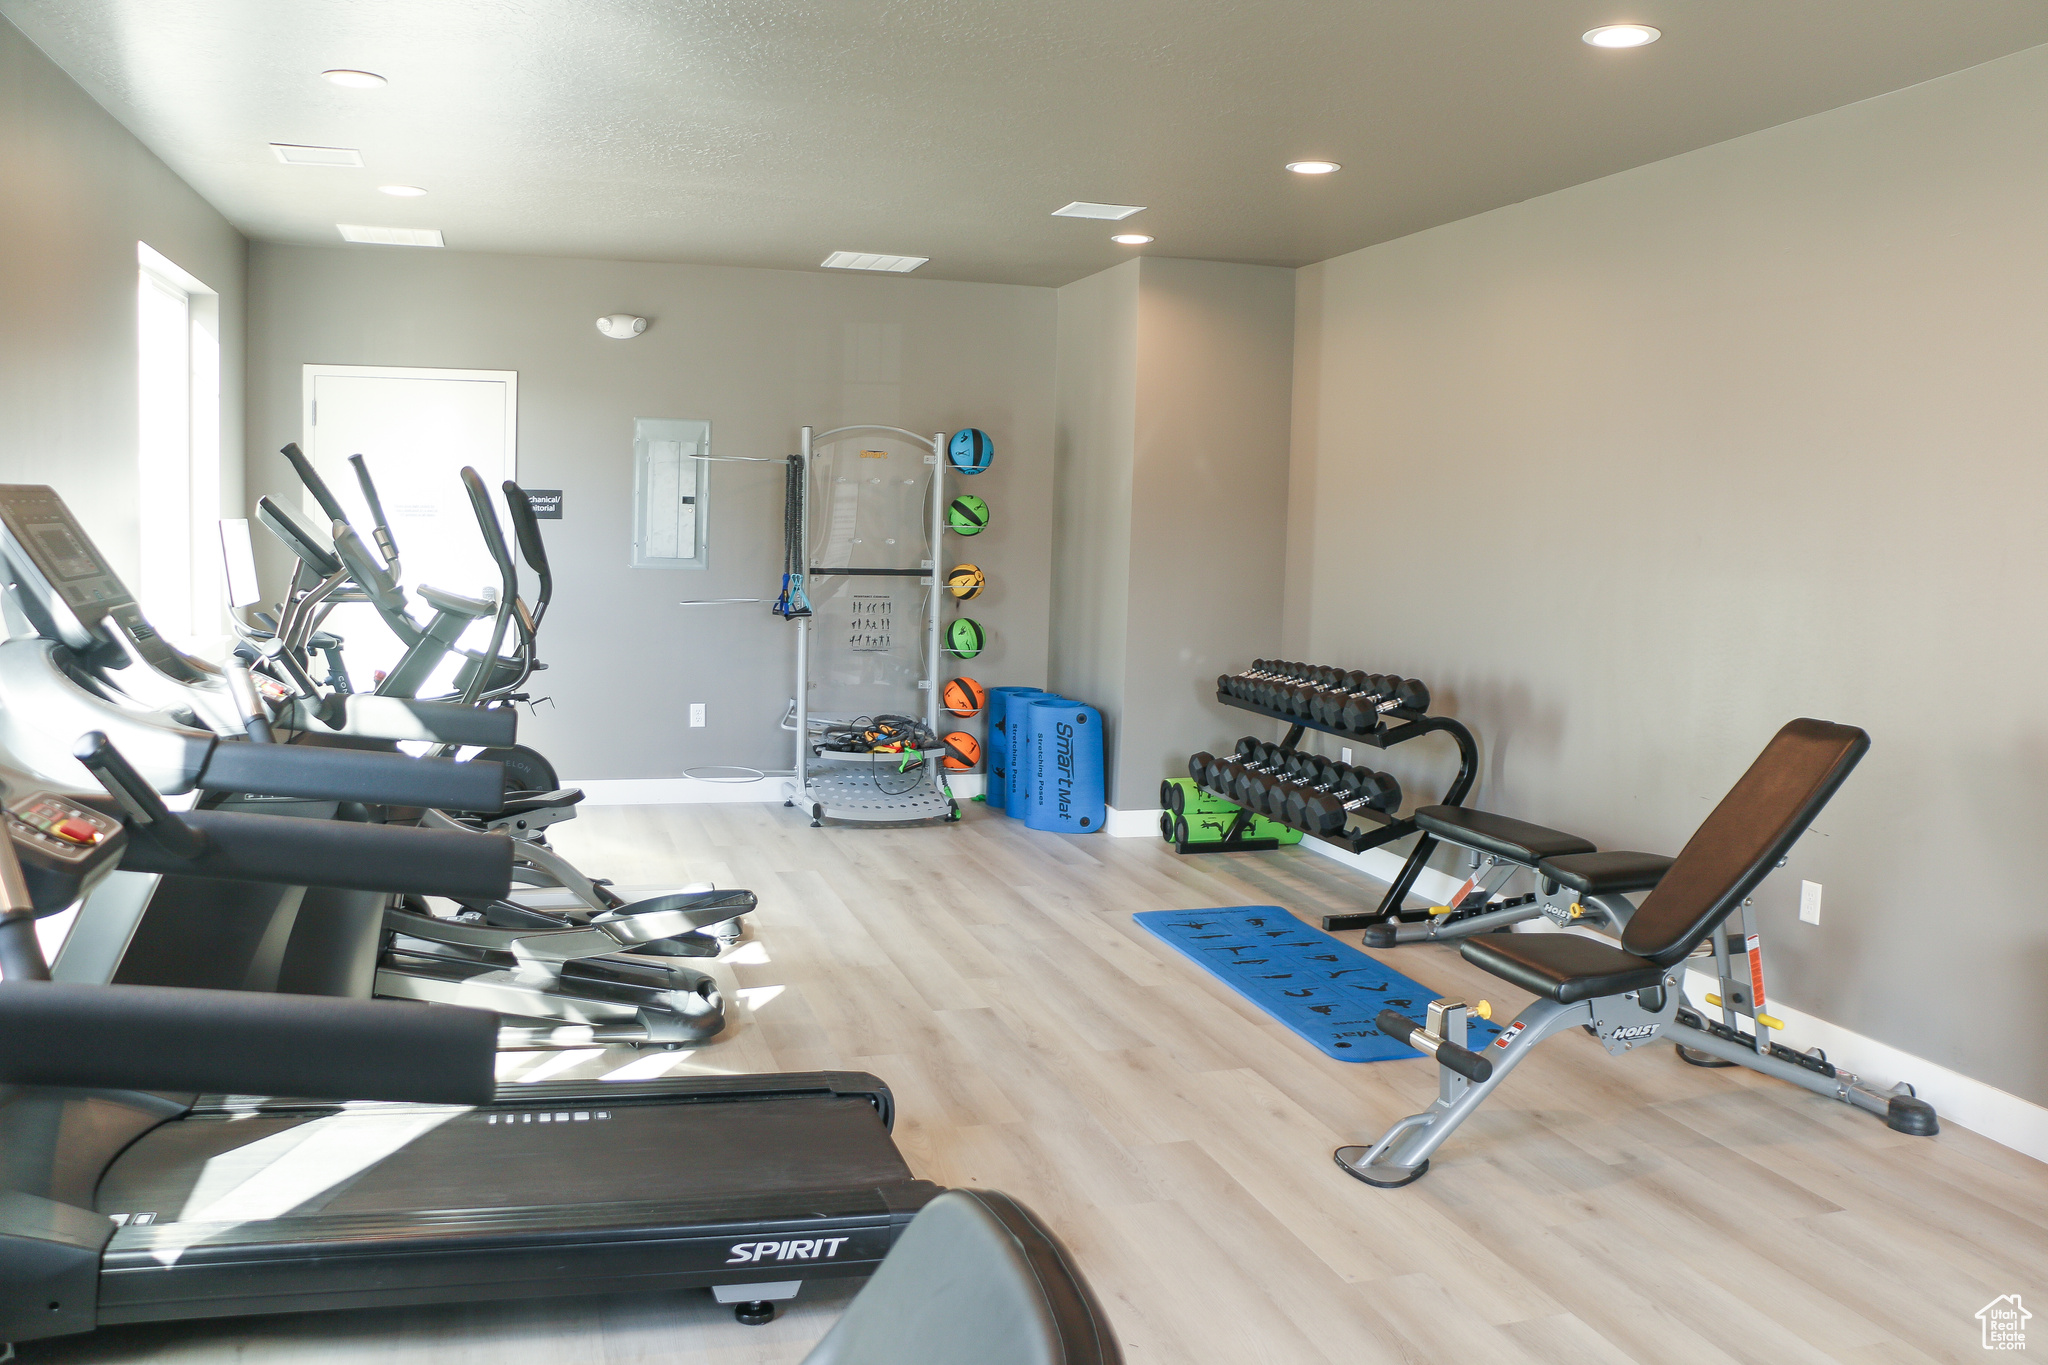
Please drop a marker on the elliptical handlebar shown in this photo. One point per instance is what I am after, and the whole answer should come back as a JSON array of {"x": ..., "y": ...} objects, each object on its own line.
[
  {"x": 480, "y": 683},
  {"x": 310, "y": 476},
  {"x": 380, "y": 529},
  {"x": 526, "y": 526}
]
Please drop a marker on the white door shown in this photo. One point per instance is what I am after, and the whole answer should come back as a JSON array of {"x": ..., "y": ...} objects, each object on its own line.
[{"x": 416, "y": 430}]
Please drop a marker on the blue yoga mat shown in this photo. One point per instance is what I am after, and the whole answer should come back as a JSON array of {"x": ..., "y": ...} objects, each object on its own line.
[{"x": 1326, "y": 991}]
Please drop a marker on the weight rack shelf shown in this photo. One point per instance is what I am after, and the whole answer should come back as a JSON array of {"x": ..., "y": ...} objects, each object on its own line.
[
  {"x": 1411, "y": 725},
  {"x": 1351, "y": 841}
]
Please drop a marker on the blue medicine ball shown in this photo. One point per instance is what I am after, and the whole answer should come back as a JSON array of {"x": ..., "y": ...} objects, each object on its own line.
[{"x": 972, "y": 450}]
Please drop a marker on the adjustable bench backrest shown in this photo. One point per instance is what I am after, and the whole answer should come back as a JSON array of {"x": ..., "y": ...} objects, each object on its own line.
[{"x": 1739, "y": 844}]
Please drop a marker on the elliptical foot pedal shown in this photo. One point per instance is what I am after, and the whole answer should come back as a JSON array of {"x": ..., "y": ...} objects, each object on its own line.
[
  {"x": 1347, "y": 1157},
  {"x": 759, "y": 1313}
]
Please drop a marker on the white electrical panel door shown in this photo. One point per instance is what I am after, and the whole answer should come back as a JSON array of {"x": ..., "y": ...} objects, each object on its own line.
[{"x": 669, "y": 477}]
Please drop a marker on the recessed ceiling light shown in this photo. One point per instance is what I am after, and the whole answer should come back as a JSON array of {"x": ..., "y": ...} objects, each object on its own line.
[
  {"x": 1114, "y": 213},
  {"x": 389, "y": 236},
  {"x": 868, "y": 260},
  {"x": 292, "y": 155},
  {"x": 1313, "y": 167},
  {"x": 355, "y": 80},
  {"x": 1621, "y": 35},
  {"x": 402, "y": 191},
  {"x": 1130, "y": 239}
]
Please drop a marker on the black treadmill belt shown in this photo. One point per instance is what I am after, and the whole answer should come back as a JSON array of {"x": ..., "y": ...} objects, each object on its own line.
[
  {"x": 585, "y": 1152},
  {"x": 291, "y": 1206}
]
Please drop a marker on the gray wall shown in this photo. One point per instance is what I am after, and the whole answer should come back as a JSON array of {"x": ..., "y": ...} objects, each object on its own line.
[
  {"x": 79, "y": 193},
  {"x": 1634, "y": 473},
  {"x": 1173, "y": 454},
  {"x": 1095, "y": 436},
  {"x": 759, "y": 353}
]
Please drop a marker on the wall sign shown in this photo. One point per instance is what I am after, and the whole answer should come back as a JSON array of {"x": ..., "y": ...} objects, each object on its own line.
[{"x": 545, "y": 502}]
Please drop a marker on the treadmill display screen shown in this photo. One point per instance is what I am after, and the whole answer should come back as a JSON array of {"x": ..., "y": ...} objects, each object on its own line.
[
  {"x": 62, "y": 552},
  {"x": 41, "y": 529}
]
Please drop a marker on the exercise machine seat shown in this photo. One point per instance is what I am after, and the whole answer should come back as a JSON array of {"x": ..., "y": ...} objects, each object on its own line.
[
  {"x": 974, "y": 1280},
  {"x": 1516, "y": 840},
  {"x": 1606, "y": 874},
  {"x": 454, "y": 603},
  {"x": 1564, "y": 967}
]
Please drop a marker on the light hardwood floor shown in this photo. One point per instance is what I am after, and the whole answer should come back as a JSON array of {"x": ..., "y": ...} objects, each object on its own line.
[{"x": 1596, "y": 1210}]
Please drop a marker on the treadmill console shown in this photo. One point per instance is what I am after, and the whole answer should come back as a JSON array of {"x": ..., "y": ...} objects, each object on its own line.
[
  {"x": 67, "y": 589},
  {"x": 63, "y": 845}
]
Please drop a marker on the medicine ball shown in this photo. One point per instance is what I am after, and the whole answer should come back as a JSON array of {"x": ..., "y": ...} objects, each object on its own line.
[
  {"x": 964, "y": 638},
  {"x": 963, "y": 751},
  {"x": 965, "y": 580},
  {"x": 971, "y": 451},
  {"x": 963, "y": 697},
  {"x": 968, "y": 515}
]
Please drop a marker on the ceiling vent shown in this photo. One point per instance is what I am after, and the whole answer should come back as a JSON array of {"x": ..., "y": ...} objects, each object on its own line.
[
  {"x": 868, "y": 260},
  {"x": 390, "y": 236},
  {"x": 1114, "y": 213},
  {"x": 316, "y": 156}
]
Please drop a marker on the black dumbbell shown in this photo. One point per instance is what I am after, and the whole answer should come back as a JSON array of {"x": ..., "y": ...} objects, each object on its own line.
[
  {"x": 1364, "y": 789},
  {"x": 1329, "y": 703},
  {"x": 1337, "y": 778},
  {"x": 1362, "y": 713}
]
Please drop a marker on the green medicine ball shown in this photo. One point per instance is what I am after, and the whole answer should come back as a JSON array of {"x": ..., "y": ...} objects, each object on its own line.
[
  {"x": 968, "y": 515},
  {"x": 964, "y": 638}
]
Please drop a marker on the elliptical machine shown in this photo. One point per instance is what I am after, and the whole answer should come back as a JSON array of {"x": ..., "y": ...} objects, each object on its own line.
[
  {"x": 558, "y": 892},
  {"x": 90, "y": 664}
]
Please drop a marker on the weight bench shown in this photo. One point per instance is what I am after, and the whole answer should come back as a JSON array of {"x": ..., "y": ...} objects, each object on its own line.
[
  {"x": 1576, "y": 883},
  {"x": 1633, "y": 994}
]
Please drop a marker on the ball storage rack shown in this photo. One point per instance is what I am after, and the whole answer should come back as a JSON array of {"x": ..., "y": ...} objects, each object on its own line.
[
  {"x": 1380, "y": 829},
  {"x": 857, "y": 787}
]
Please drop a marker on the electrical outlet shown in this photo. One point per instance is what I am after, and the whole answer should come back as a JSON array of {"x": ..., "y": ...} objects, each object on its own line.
[
  {"x": 696, "y": 715},
  {"x": 1347, "y": 755},
  {"x": 1809, "y": 902}
]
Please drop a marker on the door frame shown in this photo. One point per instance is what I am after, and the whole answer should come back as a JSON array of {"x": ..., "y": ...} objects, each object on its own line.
[{"x": 510, "y": 378}]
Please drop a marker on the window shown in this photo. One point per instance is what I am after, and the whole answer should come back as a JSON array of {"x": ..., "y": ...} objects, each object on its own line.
[{"x": 177, "y": 336}]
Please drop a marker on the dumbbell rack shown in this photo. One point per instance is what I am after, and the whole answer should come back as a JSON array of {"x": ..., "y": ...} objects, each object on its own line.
[{"x": 1411, "y": 725}]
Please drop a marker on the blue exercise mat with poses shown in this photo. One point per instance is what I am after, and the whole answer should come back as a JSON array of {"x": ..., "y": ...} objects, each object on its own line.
[{"x": 1326, "y": 991}]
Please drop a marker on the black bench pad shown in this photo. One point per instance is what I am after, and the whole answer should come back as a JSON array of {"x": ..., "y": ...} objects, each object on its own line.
[
  {"x": 1516, "y": 840},
  {"x": 1565, "y": 967},
  {"x": 1605, "y": 874}
]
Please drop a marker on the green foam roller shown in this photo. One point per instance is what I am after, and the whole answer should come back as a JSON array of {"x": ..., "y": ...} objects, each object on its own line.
[
  {"x": 1194, "y": 830},
  {"x": 1192, "y": 800}
]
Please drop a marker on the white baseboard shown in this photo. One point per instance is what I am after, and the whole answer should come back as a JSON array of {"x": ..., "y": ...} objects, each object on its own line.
[
  {"x": 2003, "y": 1117},
  {"x": 691, "y": 791},
  {"x": 1383, "y": 866},
  {"x": 1131, "y": 824},
  {"x": 675, "y": 791}
]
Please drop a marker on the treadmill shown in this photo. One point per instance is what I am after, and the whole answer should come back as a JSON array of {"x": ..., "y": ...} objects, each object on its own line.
[{"x": 140, "y": 1200}]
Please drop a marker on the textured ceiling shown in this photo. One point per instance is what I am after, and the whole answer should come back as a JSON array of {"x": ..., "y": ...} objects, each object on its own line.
[{"x": 771, "y": 133}]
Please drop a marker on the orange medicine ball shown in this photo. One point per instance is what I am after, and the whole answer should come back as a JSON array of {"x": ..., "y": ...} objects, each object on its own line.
[
  {"x": 963, "y": 697},
  {"x": 963, "y": 751}
]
